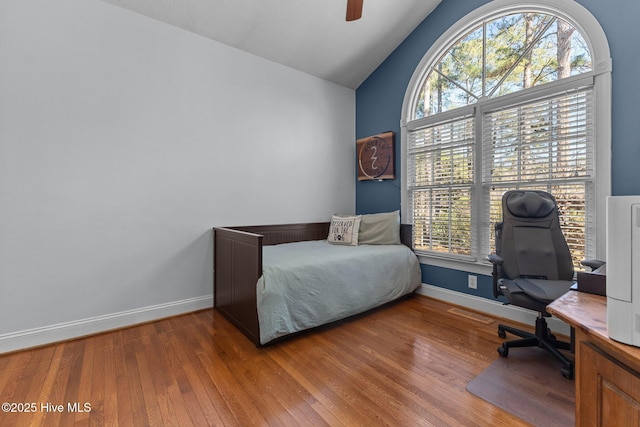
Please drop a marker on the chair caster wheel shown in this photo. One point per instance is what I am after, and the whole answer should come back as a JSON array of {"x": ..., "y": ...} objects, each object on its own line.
[
  {"x": 501, "y": 333},
  {"x": 503, "y": 351},
  {"x": 567, "y": 372}
]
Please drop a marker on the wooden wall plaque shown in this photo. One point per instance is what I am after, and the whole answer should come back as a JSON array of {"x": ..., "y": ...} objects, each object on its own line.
[{"x": 376, "y": 160}]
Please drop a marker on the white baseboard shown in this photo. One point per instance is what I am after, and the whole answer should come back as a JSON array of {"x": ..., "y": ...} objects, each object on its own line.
[
  {"x": 64, "y": 331},
  {"x": 496, "y": 308},
  {"x": 69, "y": 330}
]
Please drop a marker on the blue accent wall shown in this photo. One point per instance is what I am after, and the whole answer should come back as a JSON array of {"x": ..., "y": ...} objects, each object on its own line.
[{"x": 379, "y": 103}]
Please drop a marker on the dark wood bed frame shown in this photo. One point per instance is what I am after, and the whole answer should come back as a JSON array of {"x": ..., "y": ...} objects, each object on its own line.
[{"x": 237, "y": 264}]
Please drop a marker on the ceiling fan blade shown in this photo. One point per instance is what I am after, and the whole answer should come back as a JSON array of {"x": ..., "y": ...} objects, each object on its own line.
[{"x": 354, "y": 9}]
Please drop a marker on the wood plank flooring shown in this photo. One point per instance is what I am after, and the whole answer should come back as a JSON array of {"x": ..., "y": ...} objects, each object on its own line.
[{"x": 406, "y": 364}]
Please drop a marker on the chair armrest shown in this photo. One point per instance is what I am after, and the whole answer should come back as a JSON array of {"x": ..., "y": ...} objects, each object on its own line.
[
  {"x": 592, "y": 263},
  {"x": 495, "y": 259}
]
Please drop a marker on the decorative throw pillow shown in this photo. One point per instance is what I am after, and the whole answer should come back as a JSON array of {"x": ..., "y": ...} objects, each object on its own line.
[
  {"x": 344, "y": 230},
  {"x": 380, "y": 229}
]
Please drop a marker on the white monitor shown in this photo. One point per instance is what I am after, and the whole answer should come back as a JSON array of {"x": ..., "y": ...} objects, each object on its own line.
[{"x": 623, "y": 269}]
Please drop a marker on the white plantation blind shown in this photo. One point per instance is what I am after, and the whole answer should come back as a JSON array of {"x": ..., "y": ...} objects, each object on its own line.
[
  {"x": 441, "y": 175},
  {"x": 545, "y": 144},
  {"x": 548, "y": 145},
  {"x": 546, "y": 140}
]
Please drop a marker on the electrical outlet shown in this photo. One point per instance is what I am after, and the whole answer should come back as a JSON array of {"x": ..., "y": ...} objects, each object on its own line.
[{"x": 472, "y": 281}]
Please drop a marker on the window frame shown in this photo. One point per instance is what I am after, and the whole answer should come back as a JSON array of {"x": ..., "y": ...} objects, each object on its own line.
[{"x": 593, "y": 34}]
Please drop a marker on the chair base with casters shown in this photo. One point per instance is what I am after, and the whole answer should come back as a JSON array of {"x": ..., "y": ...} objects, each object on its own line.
[{"x": 542, "y": 338}]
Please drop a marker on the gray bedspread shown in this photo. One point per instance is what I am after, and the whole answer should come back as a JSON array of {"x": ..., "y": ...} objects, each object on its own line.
[{"x": 307, "y": 284}]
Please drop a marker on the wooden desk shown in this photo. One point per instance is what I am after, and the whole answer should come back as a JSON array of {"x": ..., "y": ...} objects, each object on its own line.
[{"x": 606, "y": 371}]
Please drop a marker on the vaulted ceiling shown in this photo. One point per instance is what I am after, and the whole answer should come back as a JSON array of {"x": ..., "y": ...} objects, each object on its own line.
[{"x": 309, "y": 35}]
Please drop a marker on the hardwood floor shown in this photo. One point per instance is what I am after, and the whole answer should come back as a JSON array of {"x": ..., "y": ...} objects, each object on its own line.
[{"x": 403, "y": 365}]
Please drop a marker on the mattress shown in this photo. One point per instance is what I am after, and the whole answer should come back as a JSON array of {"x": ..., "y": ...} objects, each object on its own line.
[{"x": 311, "y": 283}]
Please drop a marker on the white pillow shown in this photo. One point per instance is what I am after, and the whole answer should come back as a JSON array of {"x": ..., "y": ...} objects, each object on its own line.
[{"x": 344, "y": 230}]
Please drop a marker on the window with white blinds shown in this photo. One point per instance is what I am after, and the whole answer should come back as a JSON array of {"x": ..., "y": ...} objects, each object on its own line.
[
  {"x": 544, "y": 144},
  {"x": 441, "y": 168},
  {"x": 549, "y": 145},
  {"x": 513, "y": 96}
]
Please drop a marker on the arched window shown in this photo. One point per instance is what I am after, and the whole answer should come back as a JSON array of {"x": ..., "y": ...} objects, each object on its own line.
[{"x": 506, "y": 99}]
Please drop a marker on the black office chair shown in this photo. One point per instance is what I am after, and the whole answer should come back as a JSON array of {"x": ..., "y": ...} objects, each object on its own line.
[{"x": 532, "y": 267}]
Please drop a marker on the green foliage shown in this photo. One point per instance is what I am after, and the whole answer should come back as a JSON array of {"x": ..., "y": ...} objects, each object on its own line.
[{"x": 506, "y": 55}]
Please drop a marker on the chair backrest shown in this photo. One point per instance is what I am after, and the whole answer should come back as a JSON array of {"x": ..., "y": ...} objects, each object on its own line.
[{"x": 529, "y": 238}]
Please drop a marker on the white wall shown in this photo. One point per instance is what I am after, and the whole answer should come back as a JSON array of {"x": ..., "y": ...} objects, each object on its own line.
[{"x": 123, "y": 140}]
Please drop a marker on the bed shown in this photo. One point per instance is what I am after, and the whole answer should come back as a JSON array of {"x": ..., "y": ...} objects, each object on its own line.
[{"x": 273, "y": 281}]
